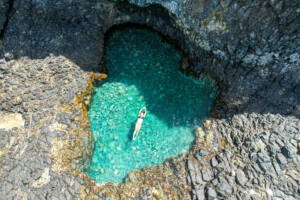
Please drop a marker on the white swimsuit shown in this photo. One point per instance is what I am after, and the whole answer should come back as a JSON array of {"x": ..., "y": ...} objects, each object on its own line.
[{"x": 140, "y": 120}]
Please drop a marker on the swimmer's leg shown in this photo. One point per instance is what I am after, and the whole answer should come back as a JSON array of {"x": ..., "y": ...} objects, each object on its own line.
[
  {"x": 135, "y": 132},
  {"x": 134, "y": 135},
  {"x": 138, "y": 129}
]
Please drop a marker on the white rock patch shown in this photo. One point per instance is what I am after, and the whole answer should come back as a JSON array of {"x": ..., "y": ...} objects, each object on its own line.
[
  {"x": 44, "y": 179},
  {"x": 11, "y": 120}
]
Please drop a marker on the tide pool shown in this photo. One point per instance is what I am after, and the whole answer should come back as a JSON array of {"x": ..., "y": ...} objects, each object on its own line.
[{"x": 143, "y": 70}]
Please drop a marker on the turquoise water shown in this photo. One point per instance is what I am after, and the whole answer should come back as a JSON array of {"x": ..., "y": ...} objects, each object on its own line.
[{"x": 143, "y": 70}]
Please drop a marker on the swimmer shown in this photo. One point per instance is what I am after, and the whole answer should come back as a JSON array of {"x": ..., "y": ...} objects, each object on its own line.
[{"x": 138, "y": 124}]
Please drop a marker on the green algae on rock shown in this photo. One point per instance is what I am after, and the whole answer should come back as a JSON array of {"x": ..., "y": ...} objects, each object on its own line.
[{"x": 143, "y": 70}]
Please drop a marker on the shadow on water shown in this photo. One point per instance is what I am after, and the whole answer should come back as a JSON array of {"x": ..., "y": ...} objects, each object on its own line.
[{"x": 130, "y": 133}]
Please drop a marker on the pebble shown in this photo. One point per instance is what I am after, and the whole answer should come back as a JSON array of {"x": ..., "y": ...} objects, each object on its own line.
[
  {"x": 240, "y": 177},
  {"x": 207, "y": 174},
  {"x": 224, "y": 189},
  {"x": 211, "y": 194},
  {"x": 214, "y": 162}
]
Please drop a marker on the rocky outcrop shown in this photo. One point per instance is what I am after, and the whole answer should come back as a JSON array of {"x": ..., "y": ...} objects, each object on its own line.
[
  {"x": 248, "y": 150},
  {"x": 251, "y": 48},
  {"x": 258, "y": 162}
]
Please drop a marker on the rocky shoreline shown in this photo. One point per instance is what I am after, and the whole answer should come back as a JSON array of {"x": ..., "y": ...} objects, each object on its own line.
[{"x": 248, "y": 149}]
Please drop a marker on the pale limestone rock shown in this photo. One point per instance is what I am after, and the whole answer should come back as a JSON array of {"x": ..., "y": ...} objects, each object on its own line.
[
  {"x": 216, "y": 25},
  {"x": 57, "y": 126},
  {"x": 199, "y": 133},
  {"x": 44, "y": 179},
  {"x": 11, "y": 120}
]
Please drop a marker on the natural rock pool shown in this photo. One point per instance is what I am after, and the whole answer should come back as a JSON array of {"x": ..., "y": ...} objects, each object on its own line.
[{"x": 143, "y": 70}]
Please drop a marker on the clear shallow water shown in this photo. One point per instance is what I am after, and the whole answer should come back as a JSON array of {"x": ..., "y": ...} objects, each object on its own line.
[{"x": 143, "y": 70}]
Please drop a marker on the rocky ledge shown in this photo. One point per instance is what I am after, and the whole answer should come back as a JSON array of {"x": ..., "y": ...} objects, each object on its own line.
[{"x": 50, "y": 53}]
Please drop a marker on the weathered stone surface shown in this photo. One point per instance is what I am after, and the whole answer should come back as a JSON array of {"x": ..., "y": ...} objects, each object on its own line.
[
  {"x": 199, "y": 132},
  {"x": 207, "y": 174},
  {"x": 194, "y": 171},
  {"x": 224, "y": 189},
  {"x": 44, "y": 179},
  {"x": 240, "y": 177},
  {"x": 230, "y": 32},
  {"x": 200, "y": 194},
  {"x": 211, "y": 194},
  {"x": 251, "y": 48},
  {"x": 214, "y": 162}
]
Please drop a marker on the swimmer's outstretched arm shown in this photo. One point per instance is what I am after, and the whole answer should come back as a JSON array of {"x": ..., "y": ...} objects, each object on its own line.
[{"x": 143, "y": 108}]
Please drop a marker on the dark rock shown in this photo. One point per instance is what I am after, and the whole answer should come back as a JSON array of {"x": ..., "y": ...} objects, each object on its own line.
[
  {"x": 4, "y": 6},
  {"x": 288, "y": 151}
]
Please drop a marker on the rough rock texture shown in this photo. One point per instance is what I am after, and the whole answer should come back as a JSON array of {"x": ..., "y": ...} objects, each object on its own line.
[
  {"x": 260, "y": 160},
  {"x": 250, "y": 149},
  {"x": 251, "y": 48},
  {"x": 4, "y": 12}
]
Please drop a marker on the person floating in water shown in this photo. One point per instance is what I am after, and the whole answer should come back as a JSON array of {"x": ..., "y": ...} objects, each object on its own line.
[{"x": 138, "y": 124}]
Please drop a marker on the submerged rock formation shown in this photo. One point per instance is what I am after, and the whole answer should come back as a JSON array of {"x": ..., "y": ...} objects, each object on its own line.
[{"x": 251, "y": 147}]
